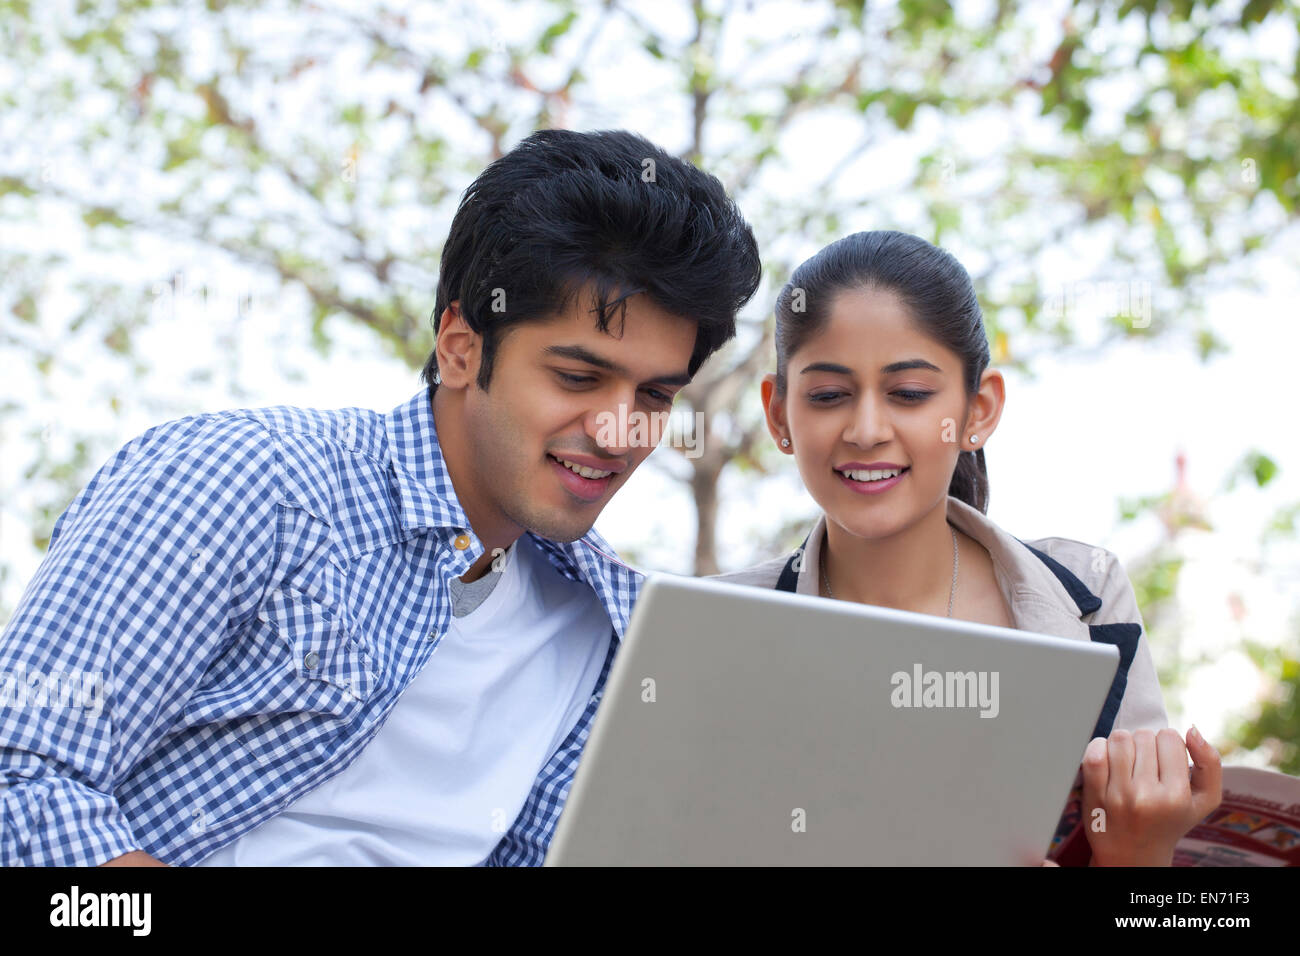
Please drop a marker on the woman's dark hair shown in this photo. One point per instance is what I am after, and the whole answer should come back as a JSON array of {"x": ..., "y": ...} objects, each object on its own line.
[
  {"x": 933, "y": 285},
  {"x": 564, "y": 210}
]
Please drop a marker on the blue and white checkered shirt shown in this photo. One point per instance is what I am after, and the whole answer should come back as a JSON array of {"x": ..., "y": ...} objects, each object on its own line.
[{"x": 255, "y": 588}]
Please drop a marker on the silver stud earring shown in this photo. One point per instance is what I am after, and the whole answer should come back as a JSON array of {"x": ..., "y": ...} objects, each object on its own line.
[{"x": 785, "y": 443}]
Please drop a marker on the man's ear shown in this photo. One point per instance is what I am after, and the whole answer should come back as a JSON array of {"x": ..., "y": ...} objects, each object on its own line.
[
  {"x": 458, "y": 349},
  {"x": 774, "y": 409}
]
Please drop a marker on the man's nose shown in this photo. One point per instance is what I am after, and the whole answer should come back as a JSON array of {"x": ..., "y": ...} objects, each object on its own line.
[{"x": 612, "y": 426}]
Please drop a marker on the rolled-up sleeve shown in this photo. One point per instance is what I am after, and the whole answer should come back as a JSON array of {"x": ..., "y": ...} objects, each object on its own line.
[{"x": 159, "y": 559}]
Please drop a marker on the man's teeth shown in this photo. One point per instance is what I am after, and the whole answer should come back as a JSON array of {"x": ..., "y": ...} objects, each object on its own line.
[
  {"x": 583, "y": 470},
  {"x": 872, "y": 475}
]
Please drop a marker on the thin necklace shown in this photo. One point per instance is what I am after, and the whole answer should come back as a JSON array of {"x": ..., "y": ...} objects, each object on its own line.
[{"x": 951, "y": 593}]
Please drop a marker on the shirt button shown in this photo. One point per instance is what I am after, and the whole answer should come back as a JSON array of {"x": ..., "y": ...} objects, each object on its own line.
[
  {"x": 433, "y": 636},
  {"x": 461, "y": 542},
  {"x": 311, "y": 660}
]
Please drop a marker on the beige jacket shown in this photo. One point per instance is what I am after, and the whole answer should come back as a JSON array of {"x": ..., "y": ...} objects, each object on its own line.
[{"x": 1037, "y": 598}]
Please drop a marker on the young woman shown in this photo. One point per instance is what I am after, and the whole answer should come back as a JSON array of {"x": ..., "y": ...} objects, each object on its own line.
[{"x": 883, "y": 395}]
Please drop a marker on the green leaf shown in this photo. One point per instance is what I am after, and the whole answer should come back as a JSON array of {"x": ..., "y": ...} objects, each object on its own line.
[
  {"x": 1208, "y": 345},
  {"x": 901, "y": 109},
  {"x": 1255, "y": 465},
  {"x": 865, "y": 99},
  {"x": 1263, "y": 468},
  {"x": 12, "y": 184},
  {"x": 1256, "y": 10},
  {"x": 99, "y": 216},
  {"x": 25, "y": 307},
  {"x": 556, "y": 30}
]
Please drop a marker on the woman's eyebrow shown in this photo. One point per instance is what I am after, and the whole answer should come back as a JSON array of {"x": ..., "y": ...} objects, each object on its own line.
[
  {"x": 910, "y": 364},
  {"x": 827, "y": 367},
  {"x": 887, "y": 370}
]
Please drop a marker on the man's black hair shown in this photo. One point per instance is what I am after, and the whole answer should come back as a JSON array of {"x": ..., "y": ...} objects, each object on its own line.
[{"x": 609, "y": 209}]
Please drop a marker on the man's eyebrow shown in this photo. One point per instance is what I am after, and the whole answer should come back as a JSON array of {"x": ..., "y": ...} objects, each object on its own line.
[
  {"x": 580, "y": 354},
  {"x": 887, "y": 370}
]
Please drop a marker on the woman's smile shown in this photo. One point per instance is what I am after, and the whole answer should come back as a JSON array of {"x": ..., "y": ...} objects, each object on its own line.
[{"x": 870, "y": 481}]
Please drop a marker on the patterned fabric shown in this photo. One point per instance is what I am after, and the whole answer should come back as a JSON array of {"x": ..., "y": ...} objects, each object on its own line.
[{"x": 254, "y": 589}]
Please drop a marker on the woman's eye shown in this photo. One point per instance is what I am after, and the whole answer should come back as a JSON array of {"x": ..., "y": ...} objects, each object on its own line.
[{"x": 825, "y": 398}]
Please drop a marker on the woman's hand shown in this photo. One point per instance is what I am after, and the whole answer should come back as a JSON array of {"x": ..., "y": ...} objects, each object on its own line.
[{"x": 1139, "y": 781}]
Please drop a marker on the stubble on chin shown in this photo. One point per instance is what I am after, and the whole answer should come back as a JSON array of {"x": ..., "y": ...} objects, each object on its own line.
[
  {"x": 551, "y": 525},
  {"x": 562, "y": 519}
]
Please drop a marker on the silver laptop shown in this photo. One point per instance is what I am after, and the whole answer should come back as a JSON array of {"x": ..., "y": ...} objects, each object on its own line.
[{"x": 743, "y": 726}]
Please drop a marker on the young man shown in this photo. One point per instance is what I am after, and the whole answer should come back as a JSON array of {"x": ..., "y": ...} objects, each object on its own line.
[{"x": 349, "y": 638}]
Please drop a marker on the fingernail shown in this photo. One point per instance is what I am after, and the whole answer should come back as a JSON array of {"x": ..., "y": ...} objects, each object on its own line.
[{"x": 1193, "y": 732}]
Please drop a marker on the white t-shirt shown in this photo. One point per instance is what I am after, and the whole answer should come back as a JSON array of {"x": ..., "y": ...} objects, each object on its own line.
[{"x": 450, "y": 769}]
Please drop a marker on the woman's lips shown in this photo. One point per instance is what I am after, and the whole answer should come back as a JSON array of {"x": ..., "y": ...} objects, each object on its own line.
[{"x": 871, "y": 487}]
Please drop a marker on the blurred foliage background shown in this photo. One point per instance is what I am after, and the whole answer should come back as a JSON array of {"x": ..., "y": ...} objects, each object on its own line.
[{"x": 317, "y": 150}]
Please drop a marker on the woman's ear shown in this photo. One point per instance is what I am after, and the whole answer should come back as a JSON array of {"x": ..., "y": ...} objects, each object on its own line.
[
  {"x": 458, "y": 349},
  {"x": 985, "y": 410},
  {"x": 774, "y": 409}
]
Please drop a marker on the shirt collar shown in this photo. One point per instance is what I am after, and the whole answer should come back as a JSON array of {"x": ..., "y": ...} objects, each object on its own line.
[
  {"x": 1035, "y": 595},
  {"x": 424, "y": 488},
  {"x": 1038, "y": 601},
  {"x": 428, "y": 501}
]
